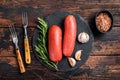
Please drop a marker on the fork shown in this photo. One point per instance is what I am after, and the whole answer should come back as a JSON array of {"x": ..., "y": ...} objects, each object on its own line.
[
  {"x": 15, "y": 41},
  {"x": 26, "y": 42}
]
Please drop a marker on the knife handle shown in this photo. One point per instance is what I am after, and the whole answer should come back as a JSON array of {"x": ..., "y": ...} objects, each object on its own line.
[
  {"x": 27, "y": 51},
  {"x": 20, "y": 61}
]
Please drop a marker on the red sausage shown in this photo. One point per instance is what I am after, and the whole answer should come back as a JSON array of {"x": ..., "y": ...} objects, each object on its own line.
[
  {"x": 69, "y": 37},
  {"x": 55, "y": 43}
]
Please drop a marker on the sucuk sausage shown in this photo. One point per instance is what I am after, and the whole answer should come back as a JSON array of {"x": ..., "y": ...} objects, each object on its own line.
[
  {"x": 55, "y": 43},
  {"x": 69, "y": 37}
]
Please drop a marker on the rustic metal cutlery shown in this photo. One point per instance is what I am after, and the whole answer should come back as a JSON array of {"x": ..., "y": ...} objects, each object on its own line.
[
  {"x": 15, "y": 41},
  {"x": 26, "y": 42}
]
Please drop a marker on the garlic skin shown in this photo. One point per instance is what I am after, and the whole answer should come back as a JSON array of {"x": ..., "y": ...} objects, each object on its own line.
[
  {"x": 83, "y": 37},
  {"x": 78, "y": 55},
  {"x": 72, "y": 61}
]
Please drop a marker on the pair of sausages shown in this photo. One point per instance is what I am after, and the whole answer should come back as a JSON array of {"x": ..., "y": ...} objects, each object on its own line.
[{"x": 57, "y": 45}]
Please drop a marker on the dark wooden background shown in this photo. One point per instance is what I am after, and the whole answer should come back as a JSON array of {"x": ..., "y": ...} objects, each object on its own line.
[{"x": 103, "y": 64}]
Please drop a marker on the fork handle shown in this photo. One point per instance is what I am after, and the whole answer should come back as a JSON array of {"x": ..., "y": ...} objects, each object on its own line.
[
  {"x": 20, "y": 61},
  {"x": 27, "y": 51}
]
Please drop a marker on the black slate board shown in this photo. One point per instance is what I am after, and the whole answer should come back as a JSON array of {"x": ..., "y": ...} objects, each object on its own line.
[{"x": 57, "y": 18}]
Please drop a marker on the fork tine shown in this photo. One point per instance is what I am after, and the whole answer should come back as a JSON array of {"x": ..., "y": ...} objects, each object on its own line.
[
  {"x": 26, "y": 18},
  {"x": 12, "y": 30},
  {"x": 23, "y": 18}
]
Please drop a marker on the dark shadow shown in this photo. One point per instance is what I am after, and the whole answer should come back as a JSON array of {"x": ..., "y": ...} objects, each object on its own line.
[
  {"x": 76, "y": 72},
  {"x": 92, "y": 25},
  {"x": 5, "y": 68}
]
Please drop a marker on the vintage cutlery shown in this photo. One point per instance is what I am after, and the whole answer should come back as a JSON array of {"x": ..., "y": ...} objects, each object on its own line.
[
  {"x": 15, "y": 41},
  {"x": 26, "y": 42}
]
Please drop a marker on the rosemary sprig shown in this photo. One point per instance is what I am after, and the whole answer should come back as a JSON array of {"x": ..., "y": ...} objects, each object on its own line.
[{"x": 41, "y": 46}]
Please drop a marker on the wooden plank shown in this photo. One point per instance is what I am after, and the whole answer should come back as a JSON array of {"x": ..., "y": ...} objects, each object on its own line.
[
  {"x": 98, "y": 67},
  {"x": 6, "y": 44},
  {"x": 10, "y": 11},
  {"x": 93, "y": 1},
  {"x": 102, "y": 68},
  {"x": 104, "y": 44},
  {"x": 107, "y": 44},
  {"x": 108, "y": 48},
  {"x": 104, "y": 62},
  {"x": 9, "y": 60}
]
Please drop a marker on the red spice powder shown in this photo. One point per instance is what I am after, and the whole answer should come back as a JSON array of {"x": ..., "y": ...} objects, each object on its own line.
[{"x": 103, "y": 22}]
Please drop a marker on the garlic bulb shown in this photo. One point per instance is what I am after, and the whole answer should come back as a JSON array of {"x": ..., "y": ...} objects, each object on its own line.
[
  {"x": 72, "y": 61},
  {"x": 78, "y": 55},
  {"x": 83, "y": 37}
]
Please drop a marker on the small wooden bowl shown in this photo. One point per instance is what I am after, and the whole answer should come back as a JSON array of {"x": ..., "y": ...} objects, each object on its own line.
[{"x": 105, "y": 18}]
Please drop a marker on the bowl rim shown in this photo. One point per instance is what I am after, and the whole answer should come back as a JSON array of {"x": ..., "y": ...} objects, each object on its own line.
[{"x": 110, "y": 16}]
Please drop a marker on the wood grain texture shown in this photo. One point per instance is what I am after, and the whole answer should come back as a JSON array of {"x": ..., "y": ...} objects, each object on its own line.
[
  {"x": 98, "y": 67},
  {"x": 104, "y": 62},
  {"x": 10, "y": 10},
  {"x": 104, "y": 44}
]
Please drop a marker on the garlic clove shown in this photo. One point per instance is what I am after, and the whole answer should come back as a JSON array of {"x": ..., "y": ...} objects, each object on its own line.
[
  {"x": 83, "y": 37},
  {"x": 78, "y": 55},
  {"x": 72, "y": 61}
]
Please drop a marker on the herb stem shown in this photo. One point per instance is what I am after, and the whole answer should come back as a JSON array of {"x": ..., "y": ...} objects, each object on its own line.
[{"x": 40, "y": 47}]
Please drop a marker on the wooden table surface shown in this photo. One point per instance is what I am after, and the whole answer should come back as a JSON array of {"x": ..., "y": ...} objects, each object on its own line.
[{"x": 104, "y": 62}]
